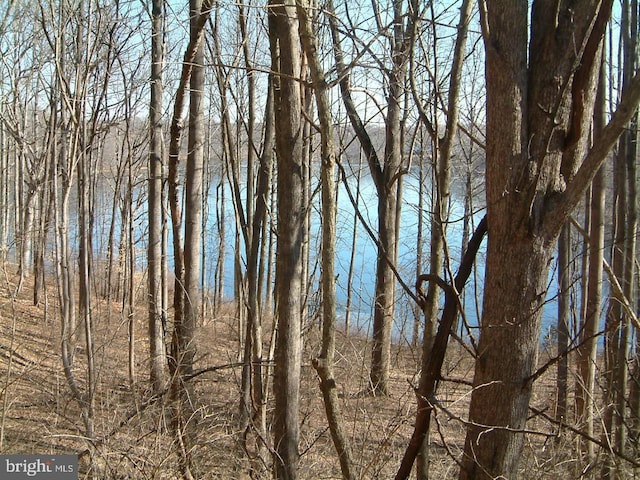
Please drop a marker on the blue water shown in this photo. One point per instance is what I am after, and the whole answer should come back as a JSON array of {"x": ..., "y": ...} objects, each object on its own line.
[
  {"x": 363, "y": 283},
  {"x": 365, "y": 252}
]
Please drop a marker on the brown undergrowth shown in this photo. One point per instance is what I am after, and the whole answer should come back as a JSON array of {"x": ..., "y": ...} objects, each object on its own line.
[{"x": 133, "y": 437}]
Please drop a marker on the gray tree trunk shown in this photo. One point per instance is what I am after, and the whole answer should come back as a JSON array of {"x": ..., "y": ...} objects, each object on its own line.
[
  {"x": 187, "y": 280},
  {"x": 157, "y": 319},
  {"x": 588, "y": 350},
  {"x": 193, "y": 198}
]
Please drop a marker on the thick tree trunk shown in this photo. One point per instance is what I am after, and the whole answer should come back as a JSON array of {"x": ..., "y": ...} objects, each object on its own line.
[
  {"x": 384, "y": 295},
  {"x": 508, "y": 351},
  {"x": 535, "y": 177}
]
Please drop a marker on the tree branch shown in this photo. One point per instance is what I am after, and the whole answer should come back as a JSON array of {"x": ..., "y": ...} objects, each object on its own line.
[
  {"x": 345, "y": 88},
  {"x": 434, "y": 369},
  {"x": 561, "y": 205}
]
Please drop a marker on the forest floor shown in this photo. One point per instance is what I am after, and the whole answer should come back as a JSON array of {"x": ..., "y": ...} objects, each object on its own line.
[{"x": 133, "y": 438}]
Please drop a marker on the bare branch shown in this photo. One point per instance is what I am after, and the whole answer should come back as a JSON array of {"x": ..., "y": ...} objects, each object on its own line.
[
  {"x": 433, "y": 374},
  {"x": 561, "y": 205}
]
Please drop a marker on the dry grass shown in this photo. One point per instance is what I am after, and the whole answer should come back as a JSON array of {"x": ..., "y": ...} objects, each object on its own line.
[{"x": 39, "y": 415}]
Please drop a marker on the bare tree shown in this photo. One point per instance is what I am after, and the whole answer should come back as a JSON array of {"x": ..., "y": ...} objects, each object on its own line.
[
  {"x": 193, "y": 197},
  {"x": 588, "y": 349},
  {"x": 183, "y": 347},
  {"x": 285, "y": 57},
  {"x": 442, "y": 153},
  {"x": 385, "y": 170},
  {"x": 157, "y": 316},
  {"x": 324, "y": 363},
  {"x": 540, "y": 100},
  {"x": 623, "y": 256}
]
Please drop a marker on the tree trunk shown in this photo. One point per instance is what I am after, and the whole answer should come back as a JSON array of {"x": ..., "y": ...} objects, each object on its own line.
[
  {"x": 187, "y": 279},
  {"x": 628, "y": 153},
  {"x": 193, "y": 198},
  {"x": 285, "y": 58},
  {"x": 417, "y": 313},
  {"x": 352, "y": 256},
  {"x": 221, "y": 213},
  {"x": 564, "y": 297},
  {"x": 615, "y": 318},
  {"x": 537, "y": 172},
  {"x": 85, "y": 241},
  {"x": 130, "y": 291},
  {"x": 507, "y": 351},
  {"x": 385, "y": 175},
  {"x": 384, "y": 295},
  {"x": 324, "y": 363},
  {"x": 433, "y": 370},
  {"x": 588, "y": 350},
  {"x": 157, "y": 320},
  {"x": 442, "y": 161}
]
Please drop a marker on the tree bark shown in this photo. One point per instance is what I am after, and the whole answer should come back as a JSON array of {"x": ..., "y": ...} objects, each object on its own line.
[
  {"x": 193, "y": 197},
  {"x": 186, "y": 278},
  {"x": 157, "y": 320},
  {"x": 252, "y": 402},
  {"x": 537, "y": 135},
  {"x": 324, "y": 363},
  {"x": 588, "y": 350},
  {"x": 285, "y": 56}
]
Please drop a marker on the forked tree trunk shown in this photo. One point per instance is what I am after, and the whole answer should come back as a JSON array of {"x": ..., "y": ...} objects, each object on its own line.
[
  {"x": 385, "y": 174},
  {"x": 186, "y": 283},
  {"x": 193, "y": 198},
  {"x": 252, "y": 403},
  {"x": 537, "y": 172}
]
